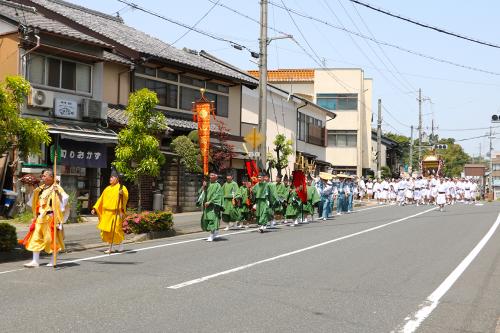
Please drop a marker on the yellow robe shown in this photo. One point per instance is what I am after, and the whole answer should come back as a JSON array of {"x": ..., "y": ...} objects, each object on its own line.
[
  {"x": 106, "y": 208},
  {"x": 48, "y": 209}
]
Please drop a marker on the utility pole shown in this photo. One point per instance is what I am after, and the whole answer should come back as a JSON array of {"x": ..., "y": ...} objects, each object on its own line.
[
  {"x": 263, "y": 81},
  {"x": 410, "y": 167},
  {"x": 419, "y": 126},
  {"x": 491, "y": 162},
  {"x": 379, "y": 139}
]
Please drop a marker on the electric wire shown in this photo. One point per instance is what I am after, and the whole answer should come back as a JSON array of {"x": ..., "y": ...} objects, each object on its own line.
[
  {"x": 196, "y": 23},
  {"x": 424, "y": 25},
  {"x": 385, "y": 43}
]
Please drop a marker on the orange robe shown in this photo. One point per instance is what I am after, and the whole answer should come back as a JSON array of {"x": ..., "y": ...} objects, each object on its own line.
[
  {"x": 48, "y": 210},
  {"x": 111, "y": 210}
]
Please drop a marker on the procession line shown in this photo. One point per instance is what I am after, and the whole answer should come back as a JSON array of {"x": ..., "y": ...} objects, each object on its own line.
[
  {"x": 240, "y": 268},
  {"x": 62, "y": 263},
  {"x": 413, "y": 321}
]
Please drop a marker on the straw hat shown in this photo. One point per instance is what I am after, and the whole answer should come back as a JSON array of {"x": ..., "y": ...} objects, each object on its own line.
[{"x": 325, "y": 175}]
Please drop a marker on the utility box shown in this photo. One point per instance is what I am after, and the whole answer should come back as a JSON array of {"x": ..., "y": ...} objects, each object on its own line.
[{"x": 157, "y": 201}]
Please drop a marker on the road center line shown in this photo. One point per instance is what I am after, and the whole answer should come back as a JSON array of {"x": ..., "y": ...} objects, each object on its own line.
[
  {"x": 66, "y": 262},
  {"x": 413, "y": 321},
  {"x": 240, "y": 268}
]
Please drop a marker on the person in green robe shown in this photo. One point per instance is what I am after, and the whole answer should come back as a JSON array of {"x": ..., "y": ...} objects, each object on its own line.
[
  {"x": 313, "y": 198},
  {"x": 294, "y": 207},
  {"x": 210, "y": 199},
  {"x": 263, "y": 200},
  {"x": 230, "y": 191},
  {"x": 245, "y": 202},
  {"x": 281, "y": 194}
]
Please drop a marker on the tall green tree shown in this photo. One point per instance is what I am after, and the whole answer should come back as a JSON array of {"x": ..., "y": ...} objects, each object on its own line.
[
  {"x": 26, "y": 135},
  {"x": 138, "y": 150},
  {"x": 454, "y": 157}
]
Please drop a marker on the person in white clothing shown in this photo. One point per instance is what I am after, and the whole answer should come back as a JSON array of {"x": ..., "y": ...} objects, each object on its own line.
[
  {"x": 369, "y": 189},
  {"x": 441, "y": 194},
  {"x": 473, "y": 191}
]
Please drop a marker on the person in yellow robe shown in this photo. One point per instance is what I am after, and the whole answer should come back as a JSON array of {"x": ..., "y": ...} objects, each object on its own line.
[
  {"x": 110, "y": 209},
  {"x": 49, "y": 205}
]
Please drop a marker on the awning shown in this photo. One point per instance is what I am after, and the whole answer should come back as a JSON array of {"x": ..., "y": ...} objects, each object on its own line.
[{"x": 87, "y": 134}]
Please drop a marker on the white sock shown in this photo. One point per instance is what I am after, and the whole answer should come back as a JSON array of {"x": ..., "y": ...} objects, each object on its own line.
[{"x": 36, "y": 257}]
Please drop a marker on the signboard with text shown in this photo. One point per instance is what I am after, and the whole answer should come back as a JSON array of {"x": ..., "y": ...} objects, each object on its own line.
[
  {"x": 82, "y": 154},
  {"x": 64, "y": 108}
]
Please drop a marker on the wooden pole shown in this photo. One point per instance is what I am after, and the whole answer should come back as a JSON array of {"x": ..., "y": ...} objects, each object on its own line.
[{"x": 54, "y": 170}]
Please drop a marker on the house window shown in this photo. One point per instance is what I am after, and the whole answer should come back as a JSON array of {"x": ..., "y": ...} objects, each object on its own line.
[
  {"x": 58, "y": 73},
  {"x": 338, "y": 102},
  {"x": 343, "y": 138},
  {"x": 189, "y": 95},
  {"x": 167, "y": 93},
  {"x": 310, "y": 130}
]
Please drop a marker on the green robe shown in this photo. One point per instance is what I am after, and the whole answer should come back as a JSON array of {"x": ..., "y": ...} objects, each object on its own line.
[
  {"x": 210, "y": 219},
  {"x": 293, "y": 209},
  {"x": 263, "y": 199},
  {"x": 230, "y": 191},
  {"x": 312, "y": 199},
  {"x": 281, "y": 197},
  {"x": 243, "y": 208}
]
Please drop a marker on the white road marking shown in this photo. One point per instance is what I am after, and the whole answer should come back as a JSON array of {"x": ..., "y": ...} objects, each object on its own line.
[
  {"x": 413, "y": 321},
  {"x": 62, "y": 263},
  {"x": 13, "y": 270},
  {"x": 239, "y": 268}
]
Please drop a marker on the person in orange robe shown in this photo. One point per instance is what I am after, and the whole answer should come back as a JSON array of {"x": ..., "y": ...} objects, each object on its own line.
[
  {"x": 110, "y": 209},
  {"x": 49, "y": 206}
]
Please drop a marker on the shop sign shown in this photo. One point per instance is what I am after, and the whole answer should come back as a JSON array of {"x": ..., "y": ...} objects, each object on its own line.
[
  {"x": 64, "y": 108},
  {"x": 83, "y": 154}
]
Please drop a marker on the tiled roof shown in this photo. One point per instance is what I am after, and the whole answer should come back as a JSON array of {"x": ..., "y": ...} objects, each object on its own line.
[
  {"x": 118, "y": 117},
  {"x": 116, "y": 58},
  {"x": 287, "y": 75},
  {"x": 30, "y": 17},
  {"x": 114, "y": 28}
]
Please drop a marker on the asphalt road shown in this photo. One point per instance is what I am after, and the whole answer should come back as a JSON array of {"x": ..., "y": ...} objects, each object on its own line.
[{"x": 382, "y": 269}]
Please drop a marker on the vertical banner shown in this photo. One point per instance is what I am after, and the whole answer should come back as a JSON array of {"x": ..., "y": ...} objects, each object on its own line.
[{"x": 202, "y": 109}]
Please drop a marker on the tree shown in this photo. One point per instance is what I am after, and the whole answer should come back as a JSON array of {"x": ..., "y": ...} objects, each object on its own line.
[
  {"x": 454, "y": 157},
  {"x": 24, "y": 134},
  {"x": 283, "y": 149},
  {"x": 222, "y": 153},
  {"x": 138, "y": 150},
  {"x": 188, "y": 152}
]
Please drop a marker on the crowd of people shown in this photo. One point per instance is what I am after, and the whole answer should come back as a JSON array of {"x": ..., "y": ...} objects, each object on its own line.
[
  {"x": 279, "y": 202},
  {"x": 267, "y": 203}
]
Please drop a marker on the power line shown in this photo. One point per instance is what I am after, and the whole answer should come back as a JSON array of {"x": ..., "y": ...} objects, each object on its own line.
[
  {"x": 427, "y": 26},
  {"x": 383, "y": 51},
  {"x": 205, "y": 33},
  {"x": 197, "y": 22},
  {"x": 395, "y": 118},
  {"x": 384, "y": 43}
]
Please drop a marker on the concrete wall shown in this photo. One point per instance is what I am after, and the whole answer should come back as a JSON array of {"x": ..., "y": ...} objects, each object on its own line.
[
  {"x": 9, "y": 55},
  {"x": 302, "y": 88},
  {"x": 345, "y": 156}
]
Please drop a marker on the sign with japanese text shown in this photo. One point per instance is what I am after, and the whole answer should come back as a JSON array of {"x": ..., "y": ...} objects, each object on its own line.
[
  {"x": 64, "y": 108},
  {"x": 83, "y": 154}
]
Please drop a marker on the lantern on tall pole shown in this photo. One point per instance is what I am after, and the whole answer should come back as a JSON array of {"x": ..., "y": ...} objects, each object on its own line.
[{"x": 202, "y": 109}]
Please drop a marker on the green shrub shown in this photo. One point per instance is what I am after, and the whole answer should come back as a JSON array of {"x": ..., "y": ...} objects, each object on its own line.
[
  {"x": 8, "y": 237},
  {"x": 140, "y": 223}
]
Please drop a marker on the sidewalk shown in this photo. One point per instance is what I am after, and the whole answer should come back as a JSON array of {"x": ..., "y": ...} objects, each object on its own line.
[{"x": 83, "y": 236}]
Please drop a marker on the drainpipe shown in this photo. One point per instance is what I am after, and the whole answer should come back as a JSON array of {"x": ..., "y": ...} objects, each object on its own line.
[{"x": 23, "y": 57}]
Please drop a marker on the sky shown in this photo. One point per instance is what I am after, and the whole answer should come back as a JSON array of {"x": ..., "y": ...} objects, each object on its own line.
[{"x": 461, "y": 101}]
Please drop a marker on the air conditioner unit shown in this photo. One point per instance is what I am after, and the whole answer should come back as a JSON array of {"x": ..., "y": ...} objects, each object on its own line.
[
  {"x": 93, "y": 109},
  {"x": 41, "y": 98}
]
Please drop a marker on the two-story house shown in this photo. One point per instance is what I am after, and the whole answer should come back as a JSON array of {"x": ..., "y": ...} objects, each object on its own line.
[{"x": 66, "y": 70}]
